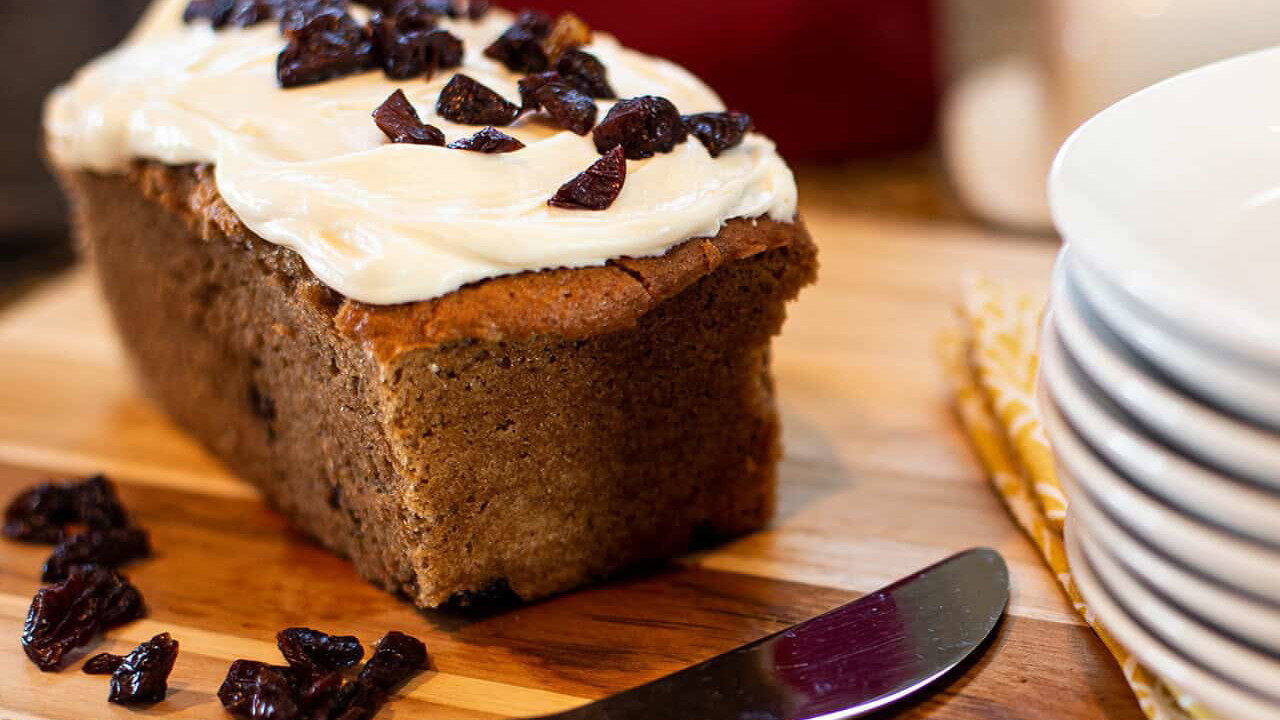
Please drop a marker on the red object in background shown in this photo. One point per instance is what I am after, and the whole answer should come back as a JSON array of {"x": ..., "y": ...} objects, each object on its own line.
[{"x": 829, "y": 80}]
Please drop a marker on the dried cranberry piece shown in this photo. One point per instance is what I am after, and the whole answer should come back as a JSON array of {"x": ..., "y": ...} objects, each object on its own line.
[
  {"x": 529, "y": 86},
  {"x": 143, "y": 675},
  {"x": 357, "y": 700},
  {"x": 467, "y": 102},
  {"x": 323, "y": 46},
  {"x": 319, "y": 693},
  {"x": 408, "y": 43},
  {"x": 315, "y": 652},
  {"x": 596, "y": 187},
  {"x": 584, "y": 71},
  {"x": 407, "y": 17},
  {"x": 447, "y": 50},
  {"x": 123, "y": 603},
  {"x": 489, "y": 140},
  {"x": 643, "y": 126},
  {"x": 259, "y": 691},
  {"x": 106, "y": 548},
  {"x": 719, "y": 131},
  {"x": 246, "y": 13},
  {"x": 520, "y": 46},
  {"x": 67, "y": 615},
  {"x": 477, "y": 9},
  {"x": 39, "y": 515},
  {"x": 98, "y": 505},
  {"x": 102, "y": 664},
  {"x": 215, "y": 11},
  {"x": 294, "y": 14},
  {"x": 396, "y": 658},
  {"x": 569, "y": 108},
  {"x": 397, "y": 118}
]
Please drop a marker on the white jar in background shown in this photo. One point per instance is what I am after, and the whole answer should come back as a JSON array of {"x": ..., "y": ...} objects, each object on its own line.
[
  {"x": 1004, "y": 119},
  {"x": 1096, "y": 52}
]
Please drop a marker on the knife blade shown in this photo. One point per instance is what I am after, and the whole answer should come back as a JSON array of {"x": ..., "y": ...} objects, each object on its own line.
[{"x": 847, "y": 663}]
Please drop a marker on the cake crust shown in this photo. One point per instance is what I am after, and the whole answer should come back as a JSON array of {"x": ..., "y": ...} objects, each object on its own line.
[{"x": 532, "y": 432}]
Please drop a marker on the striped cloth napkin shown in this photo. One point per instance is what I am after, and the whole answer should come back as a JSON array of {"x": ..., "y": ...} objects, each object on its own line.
[{"x": 991, "y": 361}]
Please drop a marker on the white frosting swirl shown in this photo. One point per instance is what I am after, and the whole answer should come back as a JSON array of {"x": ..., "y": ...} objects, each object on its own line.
[{"x": 308, "y": 169}]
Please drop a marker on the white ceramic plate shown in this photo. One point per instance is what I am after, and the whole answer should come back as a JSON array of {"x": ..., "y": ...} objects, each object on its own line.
[
  {"x": 1194, "y": 488},
  {"x": 1216, "y": 652},
  {"x": 1226, "y": 699},
  {"x": 1195, "y": 428},
  {"x": 1235, "y": 613},
  {"x": 1241, "y": 564},
  {"x": 1232, "y": 383},
  {"x": 1173, "y": 194}
]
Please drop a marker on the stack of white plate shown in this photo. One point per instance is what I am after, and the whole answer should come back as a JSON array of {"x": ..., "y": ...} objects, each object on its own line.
[{"x": 1160, "y": 377}]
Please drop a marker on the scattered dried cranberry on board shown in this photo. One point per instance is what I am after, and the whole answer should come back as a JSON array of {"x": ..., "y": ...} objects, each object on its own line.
[
  {"x": 596, "y": 187},
  {"x": 315, "y": 652},
  {"x": 67, "y": 615},
  {"x": 106, "y": 548},
  {"x": 317, "y": 693},
  {"x": 98, "y": 505},
  {"x": 643, "y": 126},
  {"x": 468, "y": 102},
  {"x": 322, "y": 46},
  {"x": 43, "y": 513},
  {"x": 489, "y": 140},
  {"x": 719, "y": 131},
  {"x": 567, "y": 106},
  {"x": 520, "y": 46},
  {"x": 102, "y": 664},
  {"x": 259, "y": 691},
  {"x": 142, "y": 676},
  {"x": 312, "y": 687},
  {"x": 399, "y": 121},
  {"x": 584, "y": 71},
  {"x": 396, "y": 658}
]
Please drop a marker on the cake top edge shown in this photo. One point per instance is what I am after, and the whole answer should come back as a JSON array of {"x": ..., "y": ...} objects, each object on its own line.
[{"x": 408, "y": 148}]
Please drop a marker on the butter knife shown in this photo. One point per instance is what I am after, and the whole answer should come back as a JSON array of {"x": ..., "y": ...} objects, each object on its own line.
[{"x": 847, "y": 663}]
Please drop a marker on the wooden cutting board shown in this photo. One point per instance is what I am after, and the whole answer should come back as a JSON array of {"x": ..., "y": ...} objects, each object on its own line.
[{"x": 877, "y": 483}]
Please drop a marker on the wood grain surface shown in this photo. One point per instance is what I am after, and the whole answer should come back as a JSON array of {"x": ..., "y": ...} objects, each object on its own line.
[{"x": 877, "y": 483}]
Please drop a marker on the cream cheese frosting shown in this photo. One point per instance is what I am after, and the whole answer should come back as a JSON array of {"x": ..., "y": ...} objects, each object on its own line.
[{"x": 307, "y": 168}]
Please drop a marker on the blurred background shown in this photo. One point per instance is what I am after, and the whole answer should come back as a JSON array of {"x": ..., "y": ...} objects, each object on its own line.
[{"x": 947, "y": 108}]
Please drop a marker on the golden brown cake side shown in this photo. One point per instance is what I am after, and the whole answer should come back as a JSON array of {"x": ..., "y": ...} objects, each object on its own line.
[{"x": 534, "y": 431}]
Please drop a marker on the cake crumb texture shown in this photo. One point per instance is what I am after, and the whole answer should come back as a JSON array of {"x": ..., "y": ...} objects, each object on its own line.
[{"x": 532, "y": 432}]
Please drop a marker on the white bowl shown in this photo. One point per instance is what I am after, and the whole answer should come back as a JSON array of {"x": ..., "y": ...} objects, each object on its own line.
[
  {"x": 1195, "y": 428},
  {"x": 1196, "y": 489},
  {"x": 1246, "y": 566},
  {"x": 1225, "y": 698},
  {"x": 1173, "y": 194},
  {"x": 1233, "y": 383},
  {"x": 1237, "y": 614}
]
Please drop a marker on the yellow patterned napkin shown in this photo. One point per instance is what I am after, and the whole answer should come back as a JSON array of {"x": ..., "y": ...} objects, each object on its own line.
[{"x": 991, "y": 360}]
